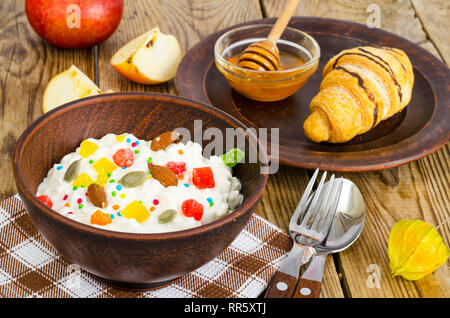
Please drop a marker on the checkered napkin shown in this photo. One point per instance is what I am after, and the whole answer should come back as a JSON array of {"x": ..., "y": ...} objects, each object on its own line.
[{"x": 31, "y": 267}]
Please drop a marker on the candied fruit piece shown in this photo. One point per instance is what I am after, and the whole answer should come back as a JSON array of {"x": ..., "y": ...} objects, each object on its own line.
[
  {"x": 46, "y": 200},
  {"x": 83, "y": 180},
  {"x": 233, "y": 157},
  {"x": 104, "y": 165},
  {"x": 87, "y": 148},
  {"x": 192, "y": 208},
  {"x": 120, "y": 138},
  {"x": 100, "y": 218},
  {"x": 124, "y": 157},
  {"x": 203, "y": 178},
  {"x": 135, "y": 210},
  {"x": 102, "y": 179},
  {"x": 178, "y": 167}
]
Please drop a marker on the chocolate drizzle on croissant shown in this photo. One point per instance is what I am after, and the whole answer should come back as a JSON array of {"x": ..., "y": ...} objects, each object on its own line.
[
  {"x": 361, "y": 87},
  {"x": 361, "y": 84}
]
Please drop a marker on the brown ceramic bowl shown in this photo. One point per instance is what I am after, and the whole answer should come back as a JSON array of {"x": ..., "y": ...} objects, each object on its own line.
[{"x": 127, "y": 259}]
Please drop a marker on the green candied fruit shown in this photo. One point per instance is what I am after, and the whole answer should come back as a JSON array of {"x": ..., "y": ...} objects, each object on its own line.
[{"x": 233, "y": 157}]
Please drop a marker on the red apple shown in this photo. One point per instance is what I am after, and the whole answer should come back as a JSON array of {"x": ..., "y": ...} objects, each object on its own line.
[{"x": 74, "y": 23}]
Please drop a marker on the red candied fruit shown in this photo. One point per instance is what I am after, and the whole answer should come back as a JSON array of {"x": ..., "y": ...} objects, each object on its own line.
[
  {"x": 124, "y": 157},
  {"x": 192, "y": 208},
  {"x": 178, "y": 167},
  {"x": 46, "y": 200},
  {"x": 203, "y": 178}
]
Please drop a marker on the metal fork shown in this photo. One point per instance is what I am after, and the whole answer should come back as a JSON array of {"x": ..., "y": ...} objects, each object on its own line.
[{"x": 312, "y": 218}]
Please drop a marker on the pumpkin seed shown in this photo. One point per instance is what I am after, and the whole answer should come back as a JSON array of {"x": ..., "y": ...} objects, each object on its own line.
[
  {"x": 167, "y": 216},
  {"x": 133, "y": 179},
  {"x": 72, "y": 171}
]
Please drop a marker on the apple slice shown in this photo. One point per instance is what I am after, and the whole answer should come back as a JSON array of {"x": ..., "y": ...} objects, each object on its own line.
[
  {"x": 151, "y": 58},
  {"x": 67, "y": 86}
]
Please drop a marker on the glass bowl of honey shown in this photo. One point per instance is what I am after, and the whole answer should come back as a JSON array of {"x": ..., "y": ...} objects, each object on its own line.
[{"x": 299, "y": 58}]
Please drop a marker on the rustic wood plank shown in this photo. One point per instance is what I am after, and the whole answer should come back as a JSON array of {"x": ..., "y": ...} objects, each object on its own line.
[
  {"x": 418, "y": 190},
  {"x": 434, "y": 15},
  {"x": 27, "y": 64},
  {"x": 189, "y": 21}
]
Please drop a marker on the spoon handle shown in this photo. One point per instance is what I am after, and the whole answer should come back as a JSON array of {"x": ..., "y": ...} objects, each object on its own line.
[
  {"x": 282, "y": 21},
  {"x": 310, "y": 283}
]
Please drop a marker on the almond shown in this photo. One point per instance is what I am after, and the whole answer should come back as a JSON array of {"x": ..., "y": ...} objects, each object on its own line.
[
  {"x": 165, "y": 139},
  {"x": 97, "y": 195},
  {"x": 164, "y": 175}
]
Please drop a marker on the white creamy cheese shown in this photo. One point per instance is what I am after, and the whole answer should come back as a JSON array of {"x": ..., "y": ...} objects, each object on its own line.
[{"x": 74, "y": 203}]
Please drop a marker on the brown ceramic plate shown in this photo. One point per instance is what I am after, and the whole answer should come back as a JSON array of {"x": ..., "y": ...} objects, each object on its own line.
[{"x": 423, "y": 127}]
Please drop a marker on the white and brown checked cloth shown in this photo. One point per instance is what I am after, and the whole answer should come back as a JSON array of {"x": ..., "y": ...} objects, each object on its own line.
[{"x": 31, "y": 267}]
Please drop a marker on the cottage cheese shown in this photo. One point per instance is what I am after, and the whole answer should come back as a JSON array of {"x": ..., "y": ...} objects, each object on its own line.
[{"x": 73, "y": 202}]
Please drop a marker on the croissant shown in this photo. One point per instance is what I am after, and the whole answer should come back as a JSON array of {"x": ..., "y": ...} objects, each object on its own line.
[{"x": 361, "y": 87}]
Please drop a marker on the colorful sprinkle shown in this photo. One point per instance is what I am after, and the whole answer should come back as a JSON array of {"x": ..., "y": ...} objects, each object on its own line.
[
  {"x": 211, "y": 203},
  {"x": 209, "y": 199},
  {"x": 108, "y": 174},
  {"x": 137, "y": 142},
  {"x": 118, "y": 213},
  {"x": 80, "y": 206},
  {"x": 59, "y": 167},
  {"x": 120, "y": 138},
  {"x": 115, "y": 207},
  {"x": 136, "y": 151},
  {"x": 118, "y": 187},
  {"x": 112, "y": 216},
  {"x": 75, "y": 187},
  {"x": 79, "y": 201},
  {"x": 123, "y": 168},
  {"x": 133, "y": 144},
  {"x": 181, "y": 177},
  {"x": 180, "y": 152},
  {"x": 152, "y": 208},
  {"x": 67, "y": 205},
  {"x": 123, "y": 195},
  {"x": 186, "y": 185},
  {"x": 112, "y": 181},
  {"x": 69, "y": 212},
  {"x": 156, "y": 202},
  {"x": 113, "y": 193},
  {"x": 91, "y": 161},
  {"x": 128, "y": 140},
  {"x": 65, "y": 197}
]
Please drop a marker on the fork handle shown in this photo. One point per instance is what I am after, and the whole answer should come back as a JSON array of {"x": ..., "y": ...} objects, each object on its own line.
[
  {"x": 310, "y": 283},
  {"x": 281, "y": 286},
  {"x": 283, "y": 282}
]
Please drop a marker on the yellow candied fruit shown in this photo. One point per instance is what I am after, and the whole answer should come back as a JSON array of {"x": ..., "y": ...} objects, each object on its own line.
[
  {"x": 87, "y": 148},
  {"x": 135, "y": 210},
  {"x": 120, "y": 138},
  {"x": 104, "y": 165},
  {"x": 102, "y": 179},
  {"x": 83, "y": 180}
]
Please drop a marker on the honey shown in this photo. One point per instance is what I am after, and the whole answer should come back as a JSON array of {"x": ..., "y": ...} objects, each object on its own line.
[{"x": 268, "y": 86}]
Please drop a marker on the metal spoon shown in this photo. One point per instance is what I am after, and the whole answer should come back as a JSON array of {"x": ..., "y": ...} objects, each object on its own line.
[{"x": 347, "y": 225}]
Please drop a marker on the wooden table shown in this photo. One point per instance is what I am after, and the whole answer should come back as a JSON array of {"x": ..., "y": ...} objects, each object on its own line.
[{"x": 419, "y": 190}]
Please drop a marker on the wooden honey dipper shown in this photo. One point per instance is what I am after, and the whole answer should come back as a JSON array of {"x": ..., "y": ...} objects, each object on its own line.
[{"x": 264, "y": 55}]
